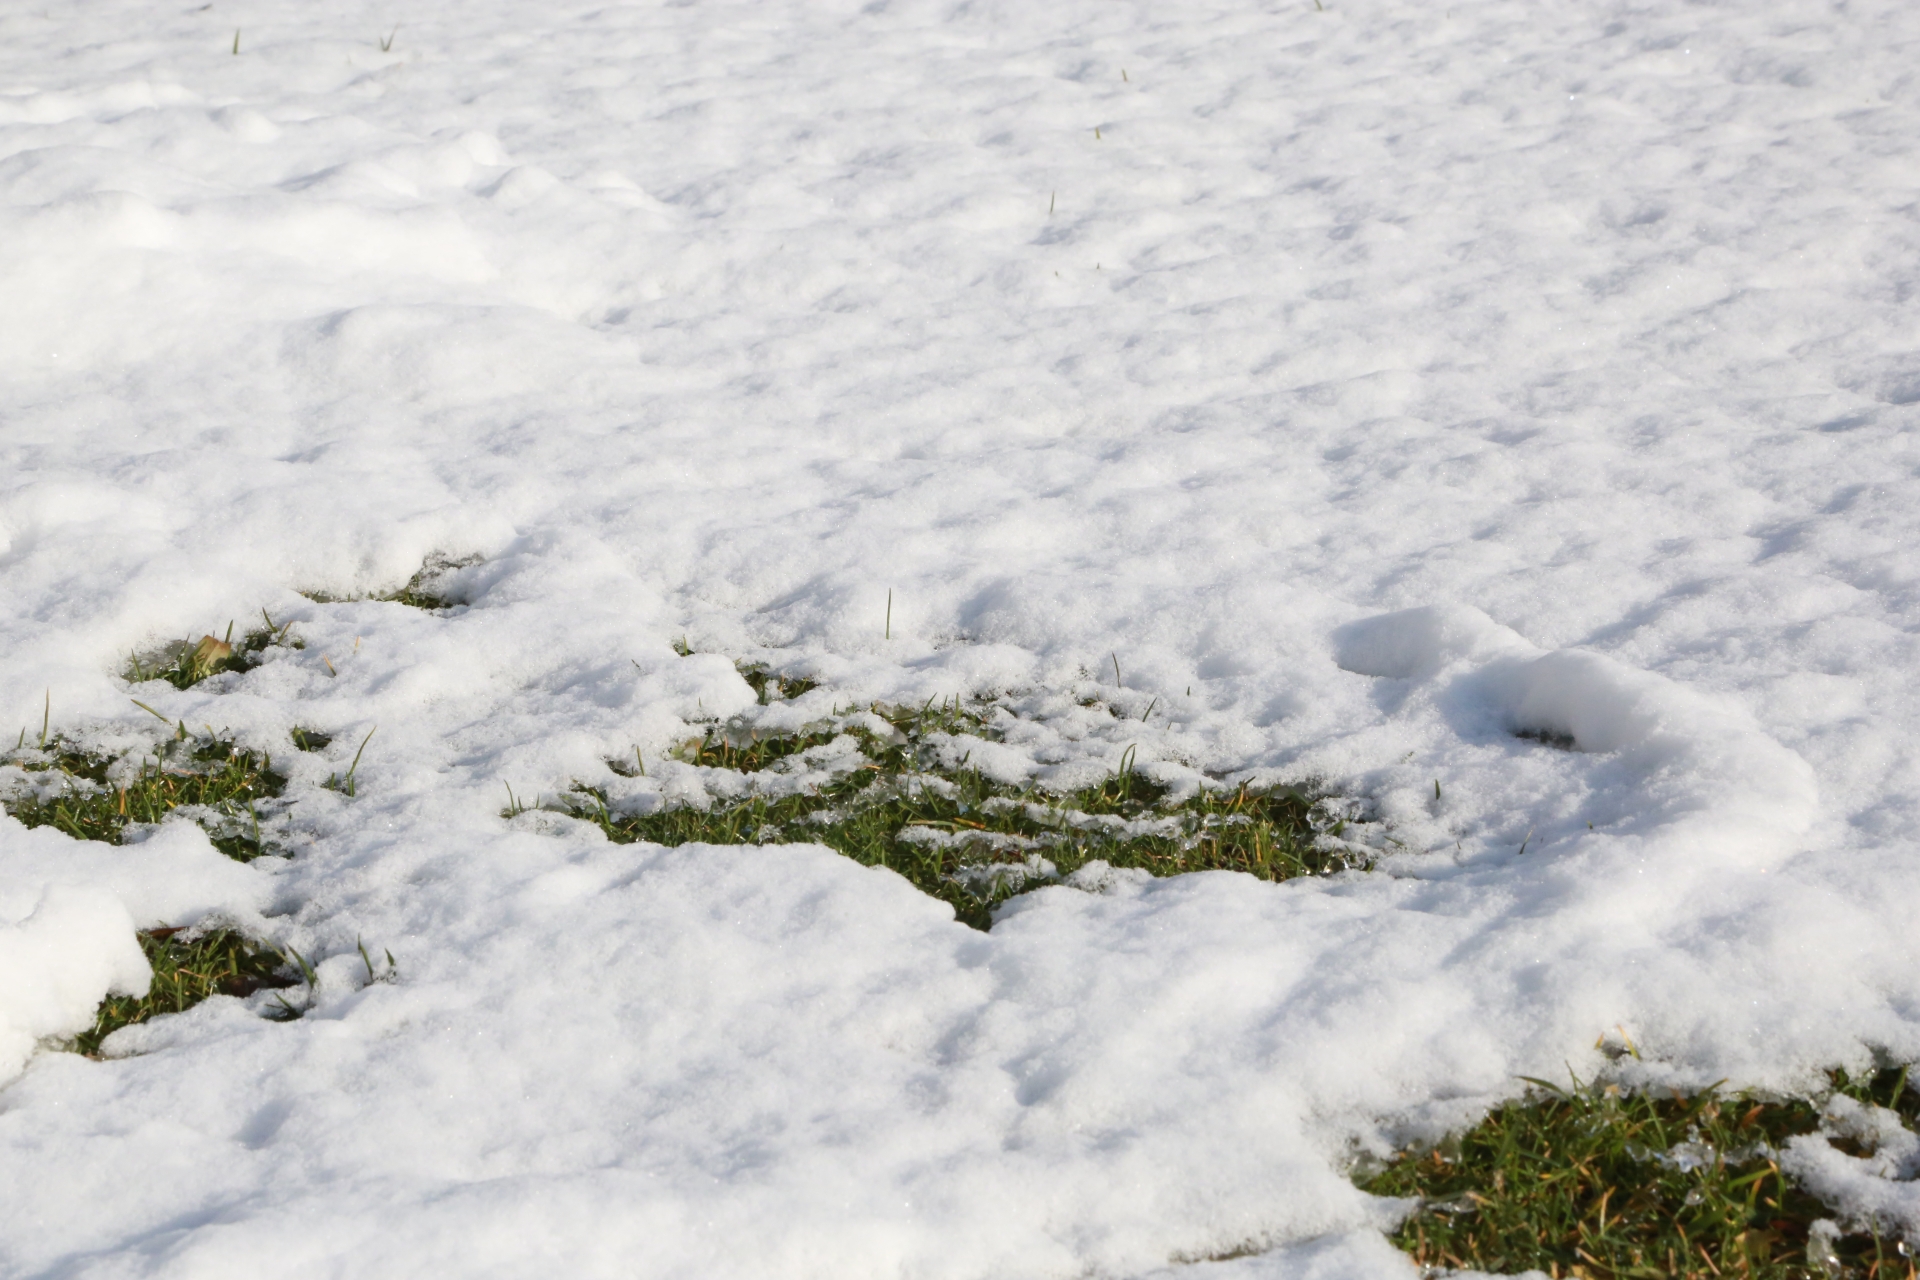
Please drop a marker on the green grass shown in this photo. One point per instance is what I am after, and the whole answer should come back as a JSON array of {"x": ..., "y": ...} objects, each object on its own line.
[
  {"x": 217, "y": 784},
  {"x": 1592, "y": 1182},
  {"x": 186, "y": 970},
  {"x": 963, "y": 838},
  {"x": 186, "y": 663},
  {"x": 220, "y": 784}
]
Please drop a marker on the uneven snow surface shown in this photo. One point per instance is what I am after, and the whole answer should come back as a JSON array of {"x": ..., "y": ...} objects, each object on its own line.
[{"x": 1334, "y": 393}]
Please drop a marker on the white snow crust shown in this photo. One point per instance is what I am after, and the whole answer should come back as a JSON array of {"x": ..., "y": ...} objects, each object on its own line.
[{"x": 1501, "y": 413}]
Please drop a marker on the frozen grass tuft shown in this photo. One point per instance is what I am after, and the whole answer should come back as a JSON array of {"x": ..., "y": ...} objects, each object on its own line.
[{"x": 1597, "y": 1183}]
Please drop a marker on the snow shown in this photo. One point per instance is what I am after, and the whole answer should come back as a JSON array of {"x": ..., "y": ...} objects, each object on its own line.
[
  {"x": 1378, "y": 384},
  {"x": 71, "y": 949},
  {"x": 1879, "y": 1188}
]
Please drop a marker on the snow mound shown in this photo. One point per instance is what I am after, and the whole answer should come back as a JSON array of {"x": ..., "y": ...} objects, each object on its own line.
[
  {"x": 69, "y": 910},
  {"x": 75, "y": 948},
  {"x": 1685, "y": 773}
]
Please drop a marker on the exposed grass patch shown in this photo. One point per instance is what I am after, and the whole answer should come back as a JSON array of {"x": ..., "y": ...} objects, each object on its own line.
[
  {"x": 311, "y": 740},
  {"x": 767, "y": 686},
  {"x": 93, "y": 796},
  {"x": 1548, "y": 738},
  {"x": 419, "y": 593},
  {"x": 186, "y": 970},
  {"x": 1592, "y": 1182},
  {"x": 427, "y": 589},
  {"x": 186, "y": 663},
  {"x": 750, "y": 753},
  {"x": 888, "y": 800},
  {"x": 85, "y": 795}
]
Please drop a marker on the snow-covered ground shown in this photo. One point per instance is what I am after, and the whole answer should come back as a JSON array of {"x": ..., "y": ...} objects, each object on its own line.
[{"x": 1355, "y": 386}]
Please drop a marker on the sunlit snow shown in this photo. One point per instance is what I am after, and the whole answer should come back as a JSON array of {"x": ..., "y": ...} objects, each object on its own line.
[{"x": 1338, "y": 392}]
